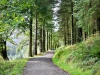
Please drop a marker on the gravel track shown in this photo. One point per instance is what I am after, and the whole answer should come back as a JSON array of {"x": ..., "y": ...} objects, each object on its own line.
[{"x": 43, "y": 65}]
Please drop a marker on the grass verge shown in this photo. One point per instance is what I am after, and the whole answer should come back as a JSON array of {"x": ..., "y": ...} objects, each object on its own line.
[
  {"x": 80, "y": 59},
  {"x": 12, "y": 67}
]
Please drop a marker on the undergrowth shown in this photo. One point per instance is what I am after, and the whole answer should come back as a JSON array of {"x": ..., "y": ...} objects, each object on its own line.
[
  {"x": 80, "y": 59},
  {"x": 14, "y": 67}
]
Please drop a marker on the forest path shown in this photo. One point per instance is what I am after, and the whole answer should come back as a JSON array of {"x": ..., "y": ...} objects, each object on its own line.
[{"x": 43, "y": 65}]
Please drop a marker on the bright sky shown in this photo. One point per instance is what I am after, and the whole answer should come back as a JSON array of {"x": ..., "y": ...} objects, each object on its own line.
[{"x": 55, "y": 17}]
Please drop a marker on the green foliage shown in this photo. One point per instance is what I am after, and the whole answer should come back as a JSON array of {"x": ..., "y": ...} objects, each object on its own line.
[
  {"x": 12, "y": 67},
  {"x": 1, "y": 59},
  {"x": 86, "y": 12},
  {"x": 80, "y": 59}
]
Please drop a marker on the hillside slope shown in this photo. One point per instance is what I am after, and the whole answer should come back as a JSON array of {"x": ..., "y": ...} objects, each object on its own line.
[{"x": 80, "y": 59}]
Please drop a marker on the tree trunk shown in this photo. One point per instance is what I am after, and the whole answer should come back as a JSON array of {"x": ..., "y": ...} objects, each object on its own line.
[
  {"x": 98, "y": 24},
  {"x": 79, "y": 34},
  {"x": 72, "y": 29},
  {"x": 68, "y": 41},
  {"x": 4, "y": 52},
  {"x": 51, "y": 39},
  {"x": 30, "y": 44},
  {"x": 35, "y": 48},
  {"x": 65, "y": 38},
  {"x": 75, "y": 33},
  {"x": 83, "y": 32},
  {"x": 43, "y": 38},
  {"x": 94, "y": 31},
  {"x": 41, "y": 49},
  {"x": 47, "y": 40}
]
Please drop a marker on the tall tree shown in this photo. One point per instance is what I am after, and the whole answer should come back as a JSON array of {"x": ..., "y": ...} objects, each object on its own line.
[
  {"x": 73, "y": 27},
  {"x": 36, "y": 28},
  {"x": 30, "y": 27}
]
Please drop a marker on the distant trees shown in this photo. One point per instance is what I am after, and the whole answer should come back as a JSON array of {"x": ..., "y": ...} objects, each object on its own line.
[
  {"x": 44, "y": 17},
  {"x": 78, "y": 20},
  {"x": 20, "y": 15},
  {"x": 87, "y": 16}
]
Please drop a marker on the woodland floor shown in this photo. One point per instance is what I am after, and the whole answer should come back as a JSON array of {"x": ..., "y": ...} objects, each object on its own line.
[{"x": 43, "y": 65}]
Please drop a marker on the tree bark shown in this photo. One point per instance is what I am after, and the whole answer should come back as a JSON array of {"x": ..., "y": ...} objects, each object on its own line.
[
  {"x": 65, "y": 38},
  {"x": 41, "y": 49},
  {"x": 35, "y": 48},
  {"x": 83, "y": 33},
  {"x": 4, "y": 52},
  {"x": 30, "y": 44},
  {"x": 98, "y": 25},
  {"x": 43, "y": 38},
  {"x": 75, "y": 33},
  {"x": 51, "y": 39},
  {"x": 68, "y": 35},
  {"x": 79, "y": 34},
  {"x": 47, "y": 40},
  {"x": 72, "y": 29}
]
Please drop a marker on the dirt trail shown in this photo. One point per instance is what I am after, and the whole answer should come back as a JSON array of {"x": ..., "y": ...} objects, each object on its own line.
[{"x": 43, "y": 65}]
